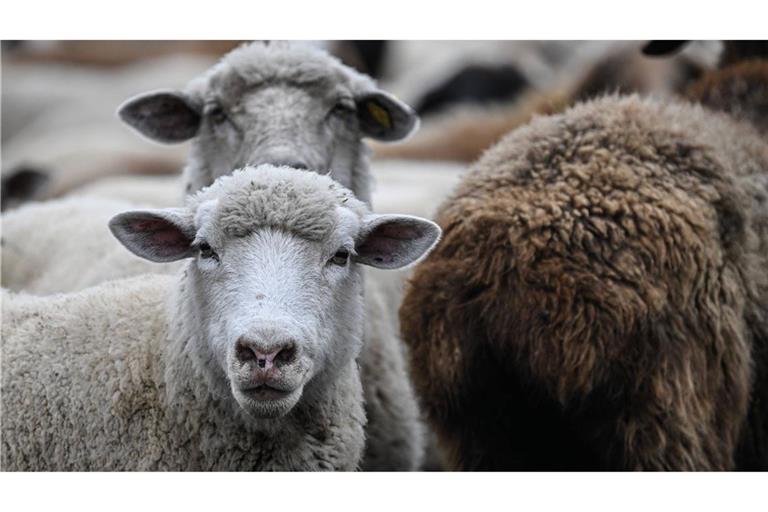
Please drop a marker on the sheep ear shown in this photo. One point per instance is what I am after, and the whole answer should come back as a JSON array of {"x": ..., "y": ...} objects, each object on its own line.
[
  {"x": 395, "y": 241},
  {"x": 384, "y": 117},
  {"x": 163, "y": 116},
  {"x": 155, "y": 235},
  {"x": 663, "y": 48}
]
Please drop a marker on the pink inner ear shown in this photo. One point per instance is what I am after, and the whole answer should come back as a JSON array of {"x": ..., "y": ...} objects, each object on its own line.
[
  {"x": 384, "y": 244},
  {"x": 380, "y": 249},
  {"x": 147, "y": 225},
  {"x": 163, "y": 237},
  {"x": 169, "y": 237},
  {"x": 396, "y": 231}
]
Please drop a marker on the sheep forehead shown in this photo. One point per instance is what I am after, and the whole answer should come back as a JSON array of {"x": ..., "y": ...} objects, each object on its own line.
[
  {"x": 288, "y": 62},
  {"x": 303, "y": 203}
]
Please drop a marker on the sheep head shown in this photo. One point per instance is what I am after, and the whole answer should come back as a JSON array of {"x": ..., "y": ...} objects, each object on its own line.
[
  {"x": 274, "y": 276},
  {"x": 282, "y": 103}
]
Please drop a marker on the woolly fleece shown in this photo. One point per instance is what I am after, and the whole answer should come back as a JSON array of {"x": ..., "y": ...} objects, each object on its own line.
[{"x": 599, "y": 297}]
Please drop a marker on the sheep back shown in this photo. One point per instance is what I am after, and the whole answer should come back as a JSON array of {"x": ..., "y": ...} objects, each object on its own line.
[{"x": 586, "y": 306}]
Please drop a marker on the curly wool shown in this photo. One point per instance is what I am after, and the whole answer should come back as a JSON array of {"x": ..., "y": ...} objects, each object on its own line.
[
  {"x": 258, "y": 63},
  {"x": 394, "y": 430},
  {"x": 305, "y": 207},
  {"x": 94, "y": 365},
  {"x": 119, "y": 376},
  {"x": 599, "y": 299}
]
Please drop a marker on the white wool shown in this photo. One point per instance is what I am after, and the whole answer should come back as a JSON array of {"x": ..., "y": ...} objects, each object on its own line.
[
  {"x": 397, "y": 427},
  {"x": 105, "y": 353}
]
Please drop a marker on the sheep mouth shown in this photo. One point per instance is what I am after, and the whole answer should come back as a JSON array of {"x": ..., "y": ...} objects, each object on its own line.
[{"x": 264, "y": 393}]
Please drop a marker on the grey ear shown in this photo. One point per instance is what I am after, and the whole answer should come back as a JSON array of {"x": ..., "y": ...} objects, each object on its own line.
[
  {"x": 155, "y": 235},
  {"x": 163, "y": 116},
  {"x": 395, "y": 241},
  {"x": 384, "y": 117}
]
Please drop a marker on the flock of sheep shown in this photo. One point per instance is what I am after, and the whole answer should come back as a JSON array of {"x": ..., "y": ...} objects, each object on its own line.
[{"x": 592, "y": 292}]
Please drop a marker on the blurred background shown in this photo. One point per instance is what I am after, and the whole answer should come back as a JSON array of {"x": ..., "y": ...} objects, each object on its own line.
[{"x": 60, "y": 134}]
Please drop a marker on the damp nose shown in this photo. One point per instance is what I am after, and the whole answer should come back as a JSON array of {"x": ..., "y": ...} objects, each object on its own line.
[{"x": 266, "y": 353}]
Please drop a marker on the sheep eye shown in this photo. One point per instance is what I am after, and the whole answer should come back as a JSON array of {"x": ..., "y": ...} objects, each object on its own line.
[
  {"x": 343, "y": 108},
  {"x": 206, "y": 251},
  {"x": 340, "y": 258},
  {"x": 216, "y": 114}
]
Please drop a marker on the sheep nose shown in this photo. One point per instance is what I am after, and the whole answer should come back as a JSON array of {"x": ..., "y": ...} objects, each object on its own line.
[{"x": 266, "y": 355}]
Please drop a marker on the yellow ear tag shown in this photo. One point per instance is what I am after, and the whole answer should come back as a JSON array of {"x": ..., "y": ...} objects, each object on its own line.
[{"x": 379, "y": 114}]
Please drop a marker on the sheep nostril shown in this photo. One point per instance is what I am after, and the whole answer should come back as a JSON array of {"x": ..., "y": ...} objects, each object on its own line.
[
  {"x": 244, "y": 352},
  {"x": 286, "y": 355}
]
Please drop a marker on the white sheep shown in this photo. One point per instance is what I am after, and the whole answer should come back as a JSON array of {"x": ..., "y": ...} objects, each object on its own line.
[
  {"x": 246, "y": 360},
  {"x": 79, "y": 249},
  {"x": 267, "y": 103},
  {"x": 278, "y": 103}
]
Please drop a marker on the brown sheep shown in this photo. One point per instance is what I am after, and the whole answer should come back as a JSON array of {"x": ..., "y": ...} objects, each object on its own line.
[{"x": 599, "y": 300}]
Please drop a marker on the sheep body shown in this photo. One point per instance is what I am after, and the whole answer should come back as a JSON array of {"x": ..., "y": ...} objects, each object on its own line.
[
  {"x": 79, "y": 250},
  {"x": 96, "y": 371},
  {"x": 601, "y": 285}
]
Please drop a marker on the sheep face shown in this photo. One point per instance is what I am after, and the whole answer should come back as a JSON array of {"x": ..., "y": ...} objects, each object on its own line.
[
  {"x": 313, "y": 126},
  {"x": 281, "y": 104},
  {"x": 274, "y": 279},
  {"x": 280, "y": 312}
]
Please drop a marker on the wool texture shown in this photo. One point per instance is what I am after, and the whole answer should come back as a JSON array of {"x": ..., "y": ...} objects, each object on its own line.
[
  {"x": 599, "y": 297},
  {"x": 85, "y": 388}
]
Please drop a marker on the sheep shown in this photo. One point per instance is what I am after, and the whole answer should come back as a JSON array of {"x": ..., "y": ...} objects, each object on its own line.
[
  {"x": 316, "y": 109},
  {"x": 245, "y": 360},
  {"x": 302, "y": 107},
  {"x": 288, "y": 106},
  {"x": 599, "y": 299},
  {"x": 79, "y": 249},
  {"x": 73, "y": 232}
]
